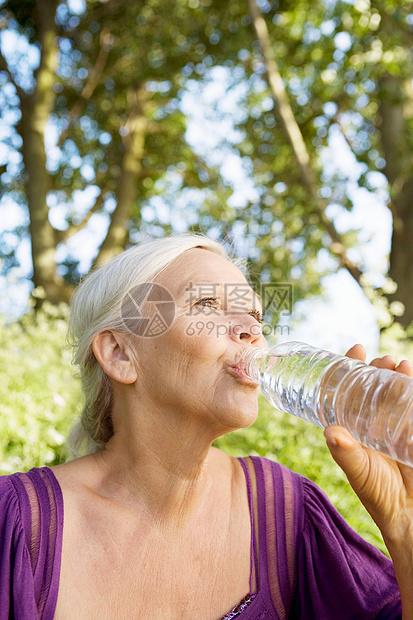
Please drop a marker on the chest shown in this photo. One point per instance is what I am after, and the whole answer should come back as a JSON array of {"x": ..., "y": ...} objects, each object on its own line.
[{"x": 115, "y": 566}]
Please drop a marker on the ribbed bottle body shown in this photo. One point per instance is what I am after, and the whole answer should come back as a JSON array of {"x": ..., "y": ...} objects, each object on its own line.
[{"x": 375, "y": 405}]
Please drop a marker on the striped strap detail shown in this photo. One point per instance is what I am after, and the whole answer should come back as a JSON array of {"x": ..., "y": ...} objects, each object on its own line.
[
  {"x": 251, "y": 469},
  {"x": 279, "y": 518},
  {"x": 34, "y": 512},
  {"x": 41, "y": 531},
  {"x": 289, "y": 525}
]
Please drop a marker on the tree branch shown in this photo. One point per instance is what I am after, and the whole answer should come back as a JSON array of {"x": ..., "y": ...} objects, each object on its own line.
[
  {"x": 5, "y": 67},
  {"x": 105, "y": 41},
  {"x": 63, "y": 235},
  {"x": 134, "y": 145},
  {"x": 296, "y": 140},
  {"x": 338, "y": 122}
]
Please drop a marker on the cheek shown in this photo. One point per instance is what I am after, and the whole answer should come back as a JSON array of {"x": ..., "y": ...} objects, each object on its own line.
[
  {"x": 211, "y": 329},
  {"x": 205, "y": 339},
  {"x": 190, "y": 345}
]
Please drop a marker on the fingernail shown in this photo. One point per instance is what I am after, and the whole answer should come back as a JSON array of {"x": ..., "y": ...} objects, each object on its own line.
[{"x": 332, "y": 441}]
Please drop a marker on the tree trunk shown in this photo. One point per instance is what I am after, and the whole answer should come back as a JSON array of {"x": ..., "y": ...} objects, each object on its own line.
[
  {"x": 401, "y": 254},
  {"x": 395, "y": 116},
  {"x": 37, "y": 186},
  {"x": 36, "y": 109},
  {"x": 118, "y": 233},
  {"x": 399, "y": 172}
]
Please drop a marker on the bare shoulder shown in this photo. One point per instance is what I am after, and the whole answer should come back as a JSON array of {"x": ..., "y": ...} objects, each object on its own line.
[
  {"x": 228, "y": 468},
  {"x": 80, "y": 472}
]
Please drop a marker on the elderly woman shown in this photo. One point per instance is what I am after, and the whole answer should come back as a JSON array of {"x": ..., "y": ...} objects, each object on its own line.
[{"x": 154, "y": 522}]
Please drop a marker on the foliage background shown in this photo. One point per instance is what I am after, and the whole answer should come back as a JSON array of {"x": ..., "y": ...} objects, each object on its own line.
[{"x": 41, "y": 399}]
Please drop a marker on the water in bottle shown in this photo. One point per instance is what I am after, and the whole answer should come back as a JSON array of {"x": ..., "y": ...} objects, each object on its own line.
[{"x": 375, "y": 405}]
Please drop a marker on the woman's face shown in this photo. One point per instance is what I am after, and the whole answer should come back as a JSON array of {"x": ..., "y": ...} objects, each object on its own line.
[{"x": 190, "y": 368}]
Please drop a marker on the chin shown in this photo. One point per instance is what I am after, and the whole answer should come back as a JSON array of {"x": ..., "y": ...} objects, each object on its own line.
[{"x": 241, "y": 416}]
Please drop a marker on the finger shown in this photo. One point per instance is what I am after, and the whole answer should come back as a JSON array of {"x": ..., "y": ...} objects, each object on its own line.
[
  {"x": 348, "y": 454},
  {"x": 384, "y": 362},
  {"x": 406, "y": 367},
  {"x": 358, "y": 352}
]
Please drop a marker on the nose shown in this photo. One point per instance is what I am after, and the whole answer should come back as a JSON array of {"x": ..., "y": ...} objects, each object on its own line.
[{"x": 247, "y": 330}]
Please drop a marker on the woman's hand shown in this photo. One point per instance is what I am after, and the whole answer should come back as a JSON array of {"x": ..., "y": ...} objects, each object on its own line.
[{"x": 383, "y": 485}]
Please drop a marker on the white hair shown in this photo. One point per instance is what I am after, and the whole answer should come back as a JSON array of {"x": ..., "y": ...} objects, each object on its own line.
[{"x": 98, "y": 305}]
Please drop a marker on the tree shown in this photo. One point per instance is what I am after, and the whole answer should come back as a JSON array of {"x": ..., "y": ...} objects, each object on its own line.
[
  {"x": 309, "y": 71},
  {"x": 111, "y": 99},
  {"x": 329, "y": 67}
]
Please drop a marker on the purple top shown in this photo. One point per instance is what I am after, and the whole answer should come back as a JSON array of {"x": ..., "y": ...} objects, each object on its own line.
[{"x": 309, "y": 563}]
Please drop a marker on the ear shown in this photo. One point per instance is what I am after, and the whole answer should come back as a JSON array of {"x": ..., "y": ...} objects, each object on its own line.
[{"x": 115, "y": 357}]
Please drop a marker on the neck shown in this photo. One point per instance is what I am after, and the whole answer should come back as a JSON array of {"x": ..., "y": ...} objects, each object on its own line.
[{"x": 164, "y": 463}]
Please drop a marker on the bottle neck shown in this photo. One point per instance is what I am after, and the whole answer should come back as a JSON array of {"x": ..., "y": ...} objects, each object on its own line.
[{"x": 249, "y": 362}]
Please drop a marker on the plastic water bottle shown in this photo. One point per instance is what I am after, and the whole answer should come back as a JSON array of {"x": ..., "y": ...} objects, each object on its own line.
[{"x": 375, "y": 405}]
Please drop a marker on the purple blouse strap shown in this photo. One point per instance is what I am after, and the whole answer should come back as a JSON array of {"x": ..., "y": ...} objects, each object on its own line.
[
  {"x": 254, "y": 560},
  {"x": 41, "y": 505}
]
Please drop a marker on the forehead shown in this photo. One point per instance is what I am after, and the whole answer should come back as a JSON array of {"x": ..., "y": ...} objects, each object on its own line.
[{"x": 198, "y": 266}]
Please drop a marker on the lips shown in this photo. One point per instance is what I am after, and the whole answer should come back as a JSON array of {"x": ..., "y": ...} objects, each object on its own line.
[
  {"x": 238, "y": 364},
  {"x": 237, "y": 372}
]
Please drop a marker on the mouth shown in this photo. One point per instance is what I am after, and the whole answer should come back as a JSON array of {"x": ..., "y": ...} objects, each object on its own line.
[{"x": 238, "y": 373}]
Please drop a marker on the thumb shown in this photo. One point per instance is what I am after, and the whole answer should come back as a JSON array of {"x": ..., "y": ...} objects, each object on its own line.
[{"x": 348, "y": 454}]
